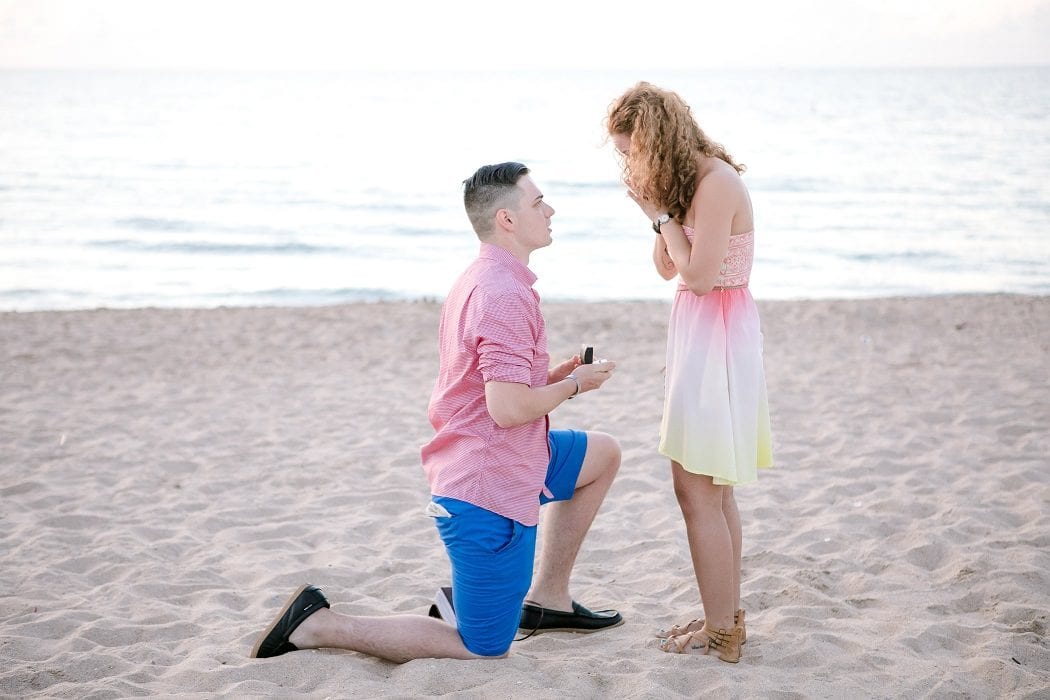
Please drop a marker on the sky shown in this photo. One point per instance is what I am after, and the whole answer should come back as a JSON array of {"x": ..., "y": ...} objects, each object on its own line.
[{"x": 534, "y": 34}]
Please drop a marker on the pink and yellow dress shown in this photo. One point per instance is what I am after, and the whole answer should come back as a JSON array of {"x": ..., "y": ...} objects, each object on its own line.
[{"x": 716, "y": 412}]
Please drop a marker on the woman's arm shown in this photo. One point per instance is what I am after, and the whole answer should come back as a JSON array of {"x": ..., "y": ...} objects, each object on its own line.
[
  {"x": 664, "y": 262},
  {"x": 665, "y": 267},
  {"x": 712, "y": 210}
]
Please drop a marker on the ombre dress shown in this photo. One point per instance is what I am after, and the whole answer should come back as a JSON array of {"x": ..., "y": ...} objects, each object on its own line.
[{"x": 716, "y": 413}]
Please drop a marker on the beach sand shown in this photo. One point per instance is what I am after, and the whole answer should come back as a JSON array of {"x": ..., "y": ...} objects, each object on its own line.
[{"x": 168, "y": 477}]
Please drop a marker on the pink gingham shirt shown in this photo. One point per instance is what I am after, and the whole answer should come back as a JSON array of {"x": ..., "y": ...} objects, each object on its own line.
[{"x": 491, "y": 330}]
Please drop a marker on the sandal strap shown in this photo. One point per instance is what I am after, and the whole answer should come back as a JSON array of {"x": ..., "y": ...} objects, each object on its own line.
[
  {"x": 684, "y": 629},
  {"x": 678, "y": 643},
  {"x": 697, "y": 623},
  {"x": 721, "y": 638}
]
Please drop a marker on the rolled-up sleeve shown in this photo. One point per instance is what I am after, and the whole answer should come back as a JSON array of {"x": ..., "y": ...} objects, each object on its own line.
[{"x": 506, "y": 341}]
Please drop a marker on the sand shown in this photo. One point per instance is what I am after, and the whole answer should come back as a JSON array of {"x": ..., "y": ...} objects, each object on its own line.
[{"x": 168, "y": 477}]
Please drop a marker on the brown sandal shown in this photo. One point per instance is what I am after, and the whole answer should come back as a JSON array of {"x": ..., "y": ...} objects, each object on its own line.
[
  {"x": 725, "y": 645},
  {"x": 698, "y": 624}
]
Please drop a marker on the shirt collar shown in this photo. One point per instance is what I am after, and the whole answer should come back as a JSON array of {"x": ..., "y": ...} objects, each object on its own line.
[{"x": 504, "y": 257}]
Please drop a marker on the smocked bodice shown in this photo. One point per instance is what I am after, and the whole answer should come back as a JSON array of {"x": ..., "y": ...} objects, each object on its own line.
[{"x": 736, "y": 265}]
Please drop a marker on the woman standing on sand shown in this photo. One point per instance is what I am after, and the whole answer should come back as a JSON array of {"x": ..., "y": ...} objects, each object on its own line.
[{"x": 715, "y": 426}]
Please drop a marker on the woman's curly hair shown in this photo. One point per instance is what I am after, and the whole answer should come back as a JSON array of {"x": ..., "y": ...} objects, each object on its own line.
[{"x": 666, "y": 146}]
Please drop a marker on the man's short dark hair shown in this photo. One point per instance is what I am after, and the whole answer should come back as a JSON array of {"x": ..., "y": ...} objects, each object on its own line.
[{"x": 487, "y": 190}]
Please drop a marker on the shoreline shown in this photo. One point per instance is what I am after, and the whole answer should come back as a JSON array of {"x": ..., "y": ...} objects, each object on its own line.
[{"x": 427, "y": 299}]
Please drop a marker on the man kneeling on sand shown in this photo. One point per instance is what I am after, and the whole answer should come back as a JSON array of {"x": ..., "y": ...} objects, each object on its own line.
[{"x": 492, "y": 461}]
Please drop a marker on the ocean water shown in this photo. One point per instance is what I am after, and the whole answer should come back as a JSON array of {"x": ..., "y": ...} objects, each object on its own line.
[{"x": 131, "y": 189}]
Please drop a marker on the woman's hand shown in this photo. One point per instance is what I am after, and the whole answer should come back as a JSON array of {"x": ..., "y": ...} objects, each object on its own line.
[{"x": 652, "y": 211}]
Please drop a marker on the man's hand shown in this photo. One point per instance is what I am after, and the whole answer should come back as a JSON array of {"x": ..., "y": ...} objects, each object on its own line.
[
  {"x": 593, "y": 376},
  {"x": 511, "y": 404},
  {"x": 562, "y": 370}
]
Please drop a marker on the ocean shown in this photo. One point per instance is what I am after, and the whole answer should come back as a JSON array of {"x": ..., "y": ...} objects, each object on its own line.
[{"x": 178, "y": 189}]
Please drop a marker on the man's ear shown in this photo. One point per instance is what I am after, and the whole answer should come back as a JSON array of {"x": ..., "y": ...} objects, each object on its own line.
[{"x": 503, "y": 219}]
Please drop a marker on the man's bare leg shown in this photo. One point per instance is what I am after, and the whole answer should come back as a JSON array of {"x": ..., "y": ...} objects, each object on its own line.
[
  {"x": 397, "y": 638},
  {"x": 565, "y": 523}
]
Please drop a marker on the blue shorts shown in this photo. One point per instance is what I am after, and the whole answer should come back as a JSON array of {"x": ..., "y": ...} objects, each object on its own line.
[{"x": 492, "y": 556}]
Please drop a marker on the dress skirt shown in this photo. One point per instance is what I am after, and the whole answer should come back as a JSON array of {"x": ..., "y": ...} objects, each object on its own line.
[{"x": 716, "y": 411}]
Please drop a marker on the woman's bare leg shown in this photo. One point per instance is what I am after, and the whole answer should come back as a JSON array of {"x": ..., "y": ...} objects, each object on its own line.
[{"x": 711, "y": 544}]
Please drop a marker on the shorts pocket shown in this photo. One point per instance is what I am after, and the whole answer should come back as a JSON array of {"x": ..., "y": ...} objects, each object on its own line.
[
  {"x": 475, "y": 529},
  {"x": 512, "y": 538},
  {"x": 498, "y": 534}
]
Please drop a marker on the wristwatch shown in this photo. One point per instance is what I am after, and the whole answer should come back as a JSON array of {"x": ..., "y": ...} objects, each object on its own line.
[{"x": 660, "y": 221}]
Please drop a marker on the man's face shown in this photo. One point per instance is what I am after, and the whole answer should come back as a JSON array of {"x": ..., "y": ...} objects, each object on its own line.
[{"x": 533, "y": 216}]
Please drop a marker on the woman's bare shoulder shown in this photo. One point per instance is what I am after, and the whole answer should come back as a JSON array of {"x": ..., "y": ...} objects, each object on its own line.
[
  {"x": 721, "y": 192},
  {"x": 716, "y": 169},
  {"x": 719, "y": 179}
]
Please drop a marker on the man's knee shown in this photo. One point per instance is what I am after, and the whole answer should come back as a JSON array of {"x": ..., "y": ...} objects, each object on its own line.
[
  {"x": 606, "y": 450},
  {"x": 491, "y": 656},
  {"x": 486, "y": 647}
]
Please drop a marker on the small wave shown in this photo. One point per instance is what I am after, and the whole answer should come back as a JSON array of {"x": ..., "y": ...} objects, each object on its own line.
[
  {"x": 798, "y": 184},
  {"x": 152, "y": 224},
  {"x": 216, "y": 248},
  {"x": 414, "y": 208},
  {"x": 21, "y": 299},
  {"x": 604, "y": 185},
  {"x": 27, "y": 293},
  {"x": 26, "y": 300},
  {"x": 283, "y": 296},
  {"x": 425, "y": 232},
  {"x": 900, "y": 256}
]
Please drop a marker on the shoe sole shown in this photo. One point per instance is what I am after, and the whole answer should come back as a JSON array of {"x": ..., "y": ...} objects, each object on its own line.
[
  {"x": 576, "y": 630},
  {"x": 276, "y": 621}
]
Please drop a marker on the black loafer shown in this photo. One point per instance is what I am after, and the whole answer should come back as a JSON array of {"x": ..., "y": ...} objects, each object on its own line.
[
  {"x": 535, "y": 619},
  {"x": 274, "y": 640}
]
